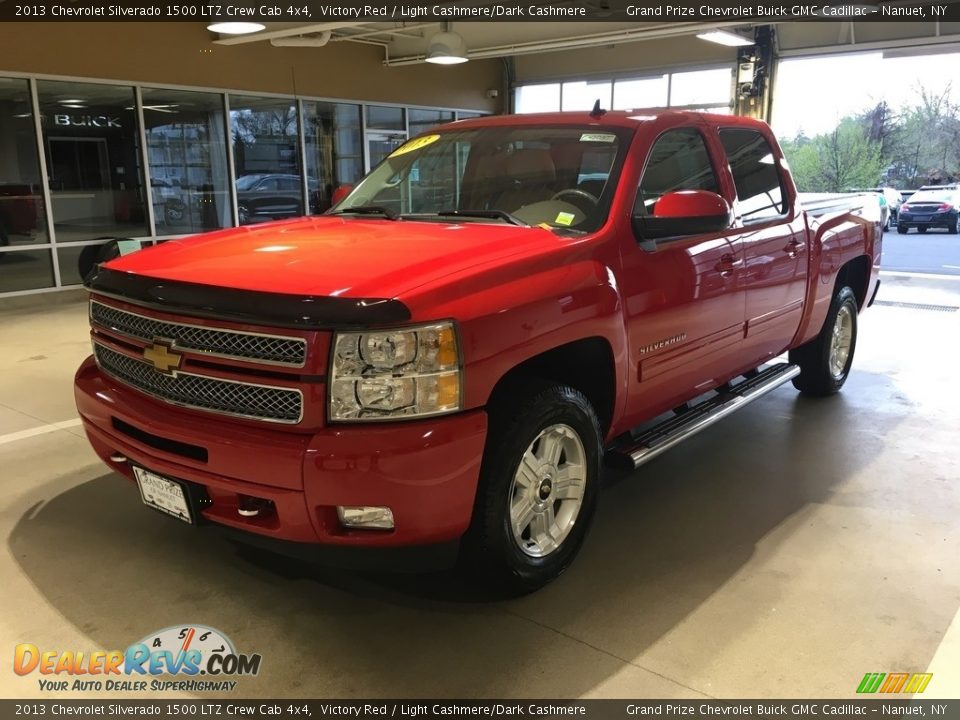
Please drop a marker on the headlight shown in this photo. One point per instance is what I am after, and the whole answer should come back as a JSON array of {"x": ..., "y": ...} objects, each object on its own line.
[{"x": 395, "y": 374}]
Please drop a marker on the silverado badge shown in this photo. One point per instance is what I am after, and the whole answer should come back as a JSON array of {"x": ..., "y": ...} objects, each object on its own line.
[{"x": 163, "y": 359}]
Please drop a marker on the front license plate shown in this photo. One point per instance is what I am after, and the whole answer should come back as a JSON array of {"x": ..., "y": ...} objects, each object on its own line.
[{"x": 163, "y": 494}]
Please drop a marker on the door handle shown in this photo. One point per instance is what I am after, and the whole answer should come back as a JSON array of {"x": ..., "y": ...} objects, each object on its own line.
[
  {"x": 792, "y": 248},
  {"x": 727, "y": 265}
]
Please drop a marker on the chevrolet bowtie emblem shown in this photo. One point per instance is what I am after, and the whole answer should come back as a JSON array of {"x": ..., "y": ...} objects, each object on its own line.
[{"x": 162, "y": 358}]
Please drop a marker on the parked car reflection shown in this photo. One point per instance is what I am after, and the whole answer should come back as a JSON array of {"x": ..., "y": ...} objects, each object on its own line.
[{"x": 272, "y": 196}]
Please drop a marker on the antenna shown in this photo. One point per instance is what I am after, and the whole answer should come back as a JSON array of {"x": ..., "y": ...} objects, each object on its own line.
[{"x": 597, "y": 112}]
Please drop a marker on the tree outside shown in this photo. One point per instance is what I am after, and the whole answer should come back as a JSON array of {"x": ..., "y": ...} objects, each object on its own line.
[{"x": 916, "y": 144}]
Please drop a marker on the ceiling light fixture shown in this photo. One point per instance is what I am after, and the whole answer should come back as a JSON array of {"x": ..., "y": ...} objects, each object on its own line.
[
  {"x": 724, "y": 37},
  {"x": 447, "y": 48},
  {"x": 236, "y": 28}
]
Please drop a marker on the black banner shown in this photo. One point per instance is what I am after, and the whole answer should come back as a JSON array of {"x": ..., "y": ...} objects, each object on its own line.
[
  {"x": 450, "y": 709},
  {"x": 324, "y": 11}
]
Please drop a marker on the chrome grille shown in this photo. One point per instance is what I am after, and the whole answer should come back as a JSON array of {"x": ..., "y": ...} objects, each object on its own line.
[
  {"x": 227, "y": 397},
  {"x": 273, "y": 349}
]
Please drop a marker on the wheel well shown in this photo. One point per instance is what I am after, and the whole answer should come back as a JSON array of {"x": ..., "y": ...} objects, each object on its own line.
[
  {"x": 856, "y": 275},
  {"x": 585, "y": 365}
]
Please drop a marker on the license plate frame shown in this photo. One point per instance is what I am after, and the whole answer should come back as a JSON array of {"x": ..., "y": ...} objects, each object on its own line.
[{"x": 164, "y": 494}]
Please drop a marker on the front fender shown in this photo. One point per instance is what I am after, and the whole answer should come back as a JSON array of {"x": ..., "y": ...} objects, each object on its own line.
[{"x": 508, "y": 315}]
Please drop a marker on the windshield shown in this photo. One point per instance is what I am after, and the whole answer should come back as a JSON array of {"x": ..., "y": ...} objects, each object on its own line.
[{"x": 559, "y": 177}]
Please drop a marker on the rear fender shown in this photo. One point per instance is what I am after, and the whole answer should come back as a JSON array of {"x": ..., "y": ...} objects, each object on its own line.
[{"x": 837, "y": 240}]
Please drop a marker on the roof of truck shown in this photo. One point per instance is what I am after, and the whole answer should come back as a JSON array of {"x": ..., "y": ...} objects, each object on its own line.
[{"x": 612, "y": 118}]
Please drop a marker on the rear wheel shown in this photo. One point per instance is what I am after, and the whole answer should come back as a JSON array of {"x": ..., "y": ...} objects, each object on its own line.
[
  {"x": 902, "y": 230},
  {"x": 955, "y": 228},
  {"x": 825, "y": 361},
  {"x": 538, "y": 488}
]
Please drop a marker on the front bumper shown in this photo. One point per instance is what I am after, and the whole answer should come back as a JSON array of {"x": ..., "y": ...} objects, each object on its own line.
[{"x": 426, "y": 471}]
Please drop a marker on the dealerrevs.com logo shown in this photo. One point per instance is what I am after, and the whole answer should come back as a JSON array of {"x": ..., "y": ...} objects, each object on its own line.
[{"x": 183, "y": 652}]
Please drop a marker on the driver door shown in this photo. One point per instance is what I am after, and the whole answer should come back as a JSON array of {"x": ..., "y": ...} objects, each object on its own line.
[{"x": 685, "y": 302}]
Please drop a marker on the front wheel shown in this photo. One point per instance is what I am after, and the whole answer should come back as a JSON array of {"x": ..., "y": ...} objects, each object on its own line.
[
  {"x": 921, "y": 230},
  {"x": 825, "y": 361},
  {"x": 538, "y": 488},
  {"x": 902, "y": 230}
]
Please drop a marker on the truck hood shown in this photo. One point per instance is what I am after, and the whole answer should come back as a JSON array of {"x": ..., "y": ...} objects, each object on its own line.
[{"x": 334, "y": 256}]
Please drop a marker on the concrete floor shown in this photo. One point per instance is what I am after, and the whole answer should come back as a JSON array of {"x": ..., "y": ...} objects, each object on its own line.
[{"x": 782, "y": 553}]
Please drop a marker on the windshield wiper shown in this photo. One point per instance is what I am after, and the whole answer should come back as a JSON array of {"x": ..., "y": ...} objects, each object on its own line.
[
  {"x": 369, "y": 210},
  {"x": 492, "y": 214}
]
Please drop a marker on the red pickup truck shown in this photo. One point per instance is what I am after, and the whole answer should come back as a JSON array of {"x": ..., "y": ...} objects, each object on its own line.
[{"x": 439, "y": 366}]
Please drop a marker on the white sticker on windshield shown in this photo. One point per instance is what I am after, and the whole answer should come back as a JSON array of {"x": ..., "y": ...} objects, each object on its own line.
[{"x": 598, "y": 137}]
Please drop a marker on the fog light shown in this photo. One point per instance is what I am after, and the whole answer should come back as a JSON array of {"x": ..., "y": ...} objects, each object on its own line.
[{"x": 365, "y": 517}]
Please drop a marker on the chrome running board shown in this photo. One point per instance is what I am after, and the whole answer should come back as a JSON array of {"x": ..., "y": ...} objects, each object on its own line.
[{"x": 661, "y": 437}]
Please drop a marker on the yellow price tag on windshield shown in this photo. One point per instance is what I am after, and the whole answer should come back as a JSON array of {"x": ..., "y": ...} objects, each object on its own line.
[
  {"x": 415, "y": 144},
  {"x": 565, "y": 218}
]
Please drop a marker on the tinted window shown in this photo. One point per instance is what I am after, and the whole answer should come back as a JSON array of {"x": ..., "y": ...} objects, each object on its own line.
[
  {"x": 266, "y": 142},
  {"x": 92, "y": 146},
  {"x": 187, "y": 151},
  {"x": 678, "y": 161},
  {"x": 754, "y": 173}
]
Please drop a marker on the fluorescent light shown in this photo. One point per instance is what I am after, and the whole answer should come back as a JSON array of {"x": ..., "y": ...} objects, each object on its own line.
[
  {"x": 67, "y": 102},
  {"x": 723, "y": 37},
  {"x": 236, "y": 28},
  {"x": 447, "y": 48},
  {"x": 446, "y": 60}
]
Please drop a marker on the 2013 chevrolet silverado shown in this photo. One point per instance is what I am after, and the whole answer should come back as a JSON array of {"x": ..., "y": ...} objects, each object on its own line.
[{"x": 444, "y": 361}]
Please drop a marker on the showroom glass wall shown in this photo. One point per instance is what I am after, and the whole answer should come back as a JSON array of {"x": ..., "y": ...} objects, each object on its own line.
[
  {"x": 210, "y": 160},
  {"x": 709, "y": 89}
]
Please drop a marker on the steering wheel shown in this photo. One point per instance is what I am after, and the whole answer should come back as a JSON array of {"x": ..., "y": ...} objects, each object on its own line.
[{"x": 582, "y": 194}]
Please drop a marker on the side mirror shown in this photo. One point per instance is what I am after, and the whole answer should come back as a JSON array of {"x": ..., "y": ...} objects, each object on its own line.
[
  {"x": 340, "y": 193},
  {"x": 684, "y": 212}
]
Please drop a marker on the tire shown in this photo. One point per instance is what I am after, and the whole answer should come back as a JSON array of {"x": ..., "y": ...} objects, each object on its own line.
[
  {"x": 824, "y": 364},
  {"x": 902, "y": 230},
  {"x": 921, "y": 230},
  {"x": 519, "y": 485},
  {"x": 955, "y": 228}
]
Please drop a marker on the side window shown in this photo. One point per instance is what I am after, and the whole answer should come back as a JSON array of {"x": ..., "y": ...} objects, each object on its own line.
[
  {"x": 759, "y": 186},
  {"x": 678, "y": 161}
]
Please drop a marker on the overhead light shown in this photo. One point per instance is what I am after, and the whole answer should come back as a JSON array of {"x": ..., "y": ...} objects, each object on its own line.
[
  {"x": 447, "y": 48},
  {"x": 724, "y": 37},
  {"x": 75, "y": 106},
  {"x": 236, "y": 28},
  {"x": 67, "y": 102}
]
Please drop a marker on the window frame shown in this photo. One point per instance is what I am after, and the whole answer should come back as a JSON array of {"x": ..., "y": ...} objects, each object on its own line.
[
  {"x": 711, "y": 158},
  {"x": 785, "y": 195}
]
